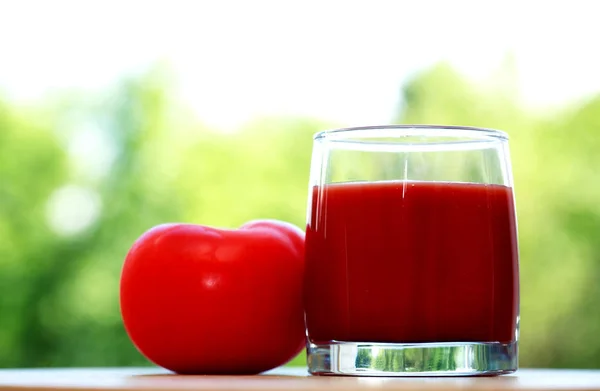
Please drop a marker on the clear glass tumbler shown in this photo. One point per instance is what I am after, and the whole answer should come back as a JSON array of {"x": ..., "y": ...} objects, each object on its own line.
[{"x": 411, "y": 253}]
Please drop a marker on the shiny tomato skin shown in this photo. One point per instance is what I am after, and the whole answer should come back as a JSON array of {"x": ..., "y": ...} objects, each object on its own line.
[{"x": 196, "y": 299}]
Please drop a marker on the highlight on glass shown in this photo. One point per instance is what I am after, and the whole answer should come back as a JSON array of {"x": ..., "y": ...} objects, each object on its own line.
[{"x": 411, "y": 253}]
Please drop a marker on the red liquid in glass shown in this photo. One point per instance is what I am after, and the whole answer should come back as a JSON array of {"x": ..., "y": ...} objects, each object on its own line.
[{"x": 411, "y": 262}]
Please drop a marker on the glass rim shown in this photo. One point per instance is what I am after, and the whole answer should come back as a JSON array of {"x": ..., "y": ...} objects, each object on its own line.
[{"x": 468, "y": 134}]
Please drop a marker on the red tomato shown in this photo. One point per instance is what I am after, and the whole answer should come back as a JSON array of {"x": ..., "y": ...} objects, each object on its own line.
[{"x": 196, "y": 299}]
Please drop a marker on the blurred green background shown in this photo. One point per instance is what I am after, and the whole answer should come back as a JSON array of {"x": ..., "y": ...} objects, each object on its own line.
[
  {"x": 84, "y": 172},
  {"x": 66, "y": 224}
]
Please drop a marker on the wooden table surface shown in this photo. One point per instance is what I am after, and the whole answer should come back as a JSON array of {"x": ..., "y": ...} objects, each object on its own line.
[{"x": 149, "y": 379}]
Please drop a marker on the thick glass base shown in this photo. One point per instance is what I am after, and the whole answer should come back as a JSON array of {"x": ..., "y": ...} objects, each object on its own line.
[{"x": 421, "y": 359}]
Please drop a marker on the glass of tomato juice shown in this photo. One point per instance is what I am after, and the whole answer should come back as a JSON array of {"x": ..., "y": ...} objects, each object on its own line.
[{"x": 411, "y": 253}]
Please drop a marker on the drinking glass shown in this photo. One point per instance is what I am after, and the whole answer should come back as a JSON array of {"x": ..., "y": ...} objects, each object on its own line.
[{"x": 411, "y": 253}]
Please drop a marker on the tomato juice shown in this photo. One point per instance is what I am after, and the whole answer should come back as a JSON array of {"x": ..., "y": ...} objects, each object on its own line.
[{"x": 411, "y": 262}]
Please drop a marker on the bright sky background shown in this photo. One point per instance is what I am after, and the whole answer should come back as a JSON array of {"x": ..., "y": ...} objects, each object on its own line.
[{"x": 342, "y": 61}]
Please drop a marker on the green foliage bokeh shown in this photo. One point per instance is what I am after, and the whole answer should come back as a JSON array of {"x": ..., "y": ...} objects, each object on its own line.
[{"x": 59, "y": 303}]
